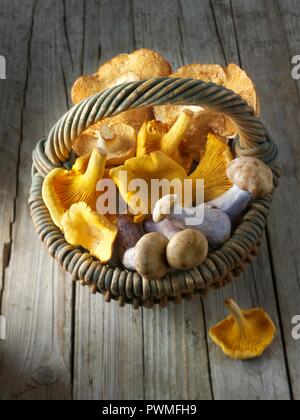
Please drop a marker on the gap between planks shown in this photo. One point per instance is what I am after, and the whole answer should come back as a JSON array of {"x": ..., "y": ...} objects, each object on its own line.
[{"x": 267, "y": 238}]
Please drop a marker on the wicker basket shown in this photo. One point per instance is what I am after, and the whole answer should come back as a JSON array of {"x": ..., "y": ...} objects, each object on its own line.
[{"x": 129, "y": 287}]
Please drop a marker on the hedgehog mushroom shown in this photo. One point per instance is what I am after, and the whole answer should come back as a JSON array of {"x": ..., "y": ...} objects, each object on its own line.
[
  {"x": 140, "y": 64},
  {"x": 251, "y": 178},
  {"x": 148, "y": 257},
  {"x": 245, "y": 334},
  {"x": 187, "y": 249},
  {"x": 119, "y": 140},
  {"x": 204, "y": 120}
]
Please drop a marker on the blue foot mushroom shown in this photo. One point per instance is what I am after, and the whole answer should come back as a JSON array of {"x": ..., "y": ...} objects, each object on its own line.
[
  {"x": 251, "y": 179},
  {"x": 212, "y": 222}
]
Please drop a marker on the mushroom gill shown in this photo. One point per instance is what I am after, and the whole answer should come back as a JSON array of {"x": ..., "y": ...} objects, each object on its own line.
[
  {"x": 63, "y": 188},
  {"x": 245, "y": 334},
  {"x": 155, "y": 135},
  {"x": 212, "y": 169}
]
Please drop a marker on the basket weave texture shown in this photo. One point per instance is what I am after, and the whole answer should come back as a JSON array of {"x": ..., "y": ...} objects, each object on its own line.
[{"x": 125, "y": 286}]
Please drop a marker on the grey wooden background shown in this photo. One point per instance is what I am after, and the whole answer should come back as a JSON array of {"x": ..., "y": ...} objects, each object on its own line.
[{"x": 63, "y": 343}]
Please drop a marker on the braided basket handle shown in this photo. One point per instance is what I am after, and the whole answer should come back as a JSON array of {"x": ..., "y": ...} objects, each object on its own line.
[{"x": 251, "y": 139}]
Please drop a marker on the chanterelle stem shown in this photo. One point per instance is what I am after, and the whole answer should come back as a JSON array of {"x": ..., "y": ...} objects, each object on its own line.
[
  {"x": 96, "y": 166},
  {"x": 172, "y": 139},
  {"x": 236, "y": 313}
]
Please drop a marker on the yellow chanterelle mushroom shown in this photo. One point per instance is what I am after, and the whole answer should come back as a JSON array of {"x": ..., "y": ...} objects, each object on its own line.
[
  {"x": 156, "y": 166},
  {"x": 245, "y": 334},
  {"x": 84, "y": 227},
  {"x": 212, "y": 169},
  {"x": 155, "y": 135},
  {"x": 63, "y": 188}
]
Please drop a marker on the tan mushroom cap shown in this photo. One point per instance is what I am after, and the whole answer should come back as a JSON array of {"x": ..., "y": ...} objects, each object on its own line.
[
  {"x": 232, "y": 77},
  {"x": 150, "y": 256},
  {"x": 239, "y": 81},
  {"x": 252, "y": 175},
  {"x": 119, "y": 139},
  {"x": 187, "y": 249},
  {"x": 138, "y": 65},
  {"x": 134, "y": 117}
]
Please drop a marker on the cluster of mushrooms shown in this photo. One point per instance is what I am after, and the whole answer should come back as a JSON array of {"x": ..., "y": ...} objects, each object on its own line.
[{"x": 165, "y": 142}]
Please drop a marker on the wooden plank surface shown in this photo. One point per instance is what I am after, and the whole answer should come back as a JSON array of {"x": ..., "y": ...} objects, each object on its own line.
[
  {"x": 287, "y": 275},
  {"x": 11, "y": 115},
  {"x": 255, "y": 288},
  {"x": 36, "y": 356},
  {"x": 245, "y": 380},
  {"x": 66, "y": 344},
  {"x": 108, "y": 355},
  {"x": 264, "y": 50},
  {"x": 169, "y": 363}
]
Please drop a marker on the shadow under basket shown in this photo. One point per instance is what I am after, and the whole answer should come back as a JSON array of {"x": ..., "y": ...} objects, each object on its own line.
[{"x": 125, "y": 286}]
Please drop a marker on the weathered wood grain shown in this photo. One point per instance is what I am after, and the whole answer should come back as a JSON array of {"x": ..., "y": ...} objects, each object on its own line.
[
  {"x": 261, "y": 379},
  {"x": 290, "y": 14},
  {"x": 108, "y": 361},
  {"x": 175, "y": 353},
  {"x": 216, "y": 43},
  {"x": 64, "y": 344},
  {"x": 11, "y": 115},
  {"x": 264, "y": 50},
  {"x": 35, "y": 359},
  {"x": 108, "y": 354}
]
